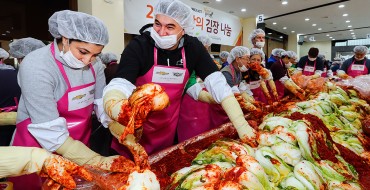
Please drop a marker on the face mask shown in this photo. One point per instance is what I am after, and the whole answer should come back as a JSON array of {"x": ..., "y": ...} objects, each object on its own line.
[
  {"x": 359, "y": 59},
  {"x": 288, "y": 65},
  {"x": 71, "y": 60},
  {"x": 243, "y": 69},
  {"x": 311, "y": 59},
  {"x": 164, "y": 42},
  {"x": 260, "y": 44}
]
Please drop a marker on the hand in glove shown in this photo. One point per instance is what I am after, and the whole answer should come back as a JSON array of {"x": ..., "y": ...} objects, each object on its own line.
[
  {"x": 341, "y": 74},
  {"x": 295, "y": 89},
  {"x": 8, "y": 118},
  {"x": 17, "y": 161},
  {"x": 315, "y": 76},
  {"x": 206, "y": 97},
  {"x": 246, "y": 133},
  {"x": 79, "y": 153}
]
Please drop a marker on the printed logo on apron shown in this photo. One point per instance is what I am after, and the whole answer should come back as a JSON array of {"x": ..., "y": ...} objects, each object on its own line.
[
  {"x": 254, "y": 84},
  {"x": 168, "y": 75},
  {"x": 309, "y": 68},
  {"x": 81, "y": 98},
  {"x": 358, "y": 67}
]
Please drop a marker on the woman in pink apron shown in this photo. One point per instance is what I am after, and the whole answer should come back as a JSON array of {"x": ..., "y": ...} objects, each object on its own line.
[
  {"x": 165, "y": 55},
  {"x": 357, "y": 65},
  {"x": 60, "y": 84},
  {"x": 281, "y": 76}
]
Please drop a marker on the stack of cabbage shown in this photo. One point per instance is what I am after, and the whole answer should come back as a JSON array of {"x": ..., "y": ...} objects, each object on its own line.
[{"x": 287, "y": 156}]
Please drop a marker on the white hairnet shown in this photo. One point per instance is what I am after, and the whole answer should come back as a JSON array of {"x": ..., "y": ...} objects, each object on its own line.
[
  {"x": 238, "y": 51},
  {"x": 257, "y": 51},
  {"x": 360, "y": 49},
  {"x": 290, "y": 54},
  {"x": 21, "y": 47},
  {"x": 3, "y": 54},
  {"x": 176, "y": 10},
  {"x": 277, "y": 52},
  {"x": 78, "y": 26},
  {"x": 108, "y": 57},
  {"x": 255, "y": 33},
  {"x": 224, "y": 54},
  {"x": 206, "y": 41}
]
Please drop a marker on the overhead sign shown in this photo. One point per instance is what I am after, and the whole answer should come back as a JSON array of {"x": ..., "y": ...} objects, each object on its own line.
[
  {"x": 221, "y": 27},
  {"x": 260, "y": 19}
]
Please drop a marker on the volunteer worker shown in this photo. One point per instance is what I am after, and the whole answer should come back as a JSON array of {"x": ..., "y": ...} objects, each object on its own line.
[
  {"x": 163, "y": 47},
  {"x": 357, "y": 65},
  {"x": 21, "y": 47},
  {"x": 311, "y": 64},
  {"x": 60, "y": 85}
]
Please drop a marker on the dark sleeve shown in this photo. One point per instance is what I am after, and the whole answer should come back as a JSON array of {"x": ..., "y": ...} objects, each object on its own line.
[
  {"x": 134, "y": 61},
  {"x": 301, "y": 62},
  {"x": 203, "y": 63},
  {"x": 346, "y": 64},
  {"x": 319, "y": 64},
  {"x": 368, "y": 65},
  {"x": 277, "y": 71},
  {"x": 229, "y": 78}
]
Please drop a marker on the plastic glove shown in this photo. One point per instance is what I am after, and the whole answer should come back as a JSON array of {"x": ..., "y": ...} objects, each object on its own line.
[
  {"x": 15, "y": 161},
  {"x": 341, "y": 74},
  {"x": 246, "y": 133},
  {"x": 79, "y": 153},
  {"x": 315, "y": 76},
  {"x": 8, "y": 118},
  {"x": 248, "y": 97},
  {"x": 296, "y": 90},
  {"x": 206, "y": 97}
]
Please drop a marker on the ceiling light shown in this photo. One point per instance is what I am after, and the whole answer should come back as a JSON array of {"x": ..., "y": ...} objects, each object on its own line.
[
  {"x": 354, "y": 36},
  {"x": 269, "y": 33},
  {"x": 352, "y": 33},
  {"x": 218, "y": 0},
  {"x": 284, "y": 2},
  {"x": 348, "y": 21},
  {"x": 281, "y": 36},
  {"x": 274, "y": 23},
  {"x": 319, "y": 29},
  {"x": 327, "y": 34},
  {"x": 306, "y": 19},
  {"x": 351, "y": 30},
  {"x": 345, "y": 14},
  {"x": 330, "y": 37},
  {"x": 349, "y": 26},
  {"x": 333, "y": 39},
  {"x": 341, "y": 6},
  {"x": 313, "y": 24},
  {"x": 243, "y": 10},
  {"x": 284, "y": 28},
  {"x": 293, "y": 31}
]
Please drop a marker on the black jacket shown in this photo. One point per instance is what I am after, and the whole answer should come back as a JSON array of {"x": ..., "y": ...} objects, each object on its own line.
[
  {"x": 138, "y": 57},
  {"x": 319, "y": 63},
  {"x": 349, "y": 61}
]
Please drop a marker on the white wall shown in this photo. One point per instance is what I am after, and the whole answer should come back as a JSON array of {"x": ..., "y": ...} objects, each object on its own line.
[
  {"x": 112, "y": 16},
  {"x": 324, "y": 48}
]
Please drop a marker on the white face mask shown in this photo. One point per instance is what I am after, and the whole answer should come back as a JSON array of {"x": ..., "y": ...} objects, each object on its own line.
[
  {"x": 260, "y": 44},
  {"x": 71, "y": 60},
  {"x": 288, "y": 65},
  {"x": 359, "y": 59},
  {"x": 311, "y": 59},
  {"x": 243, "y": 69},
  {"x": 164, "y": 42}
]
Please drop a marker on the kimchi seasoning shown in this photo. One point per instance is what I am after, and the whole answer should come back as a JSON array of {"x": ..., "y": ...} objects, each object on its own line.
[{"x": 324, "y": 147}]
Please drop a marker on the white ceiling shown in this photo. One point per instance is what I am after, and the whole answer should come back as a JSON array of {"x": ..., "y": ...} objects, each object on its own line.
[{"x": 327, "y": 17}]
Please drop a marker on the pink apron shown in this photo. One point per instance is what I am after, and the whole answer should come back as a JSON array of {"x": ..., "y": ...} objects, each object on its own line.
[
  {"x": 160, "y": 128},
  {"x": 218, "y": 115},
  {"x": 325, "y": 72},
  {"x": 355, "y": 70},
  {"x": 78, "y": 122},
  {"x": 280, "y": 88},
  {"x": 309, "y": 70},
  {"x": 194, "y": 118}
]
